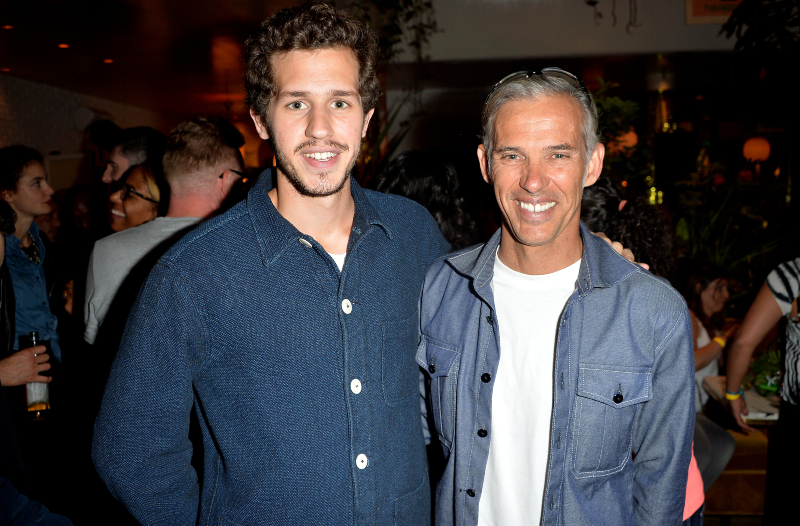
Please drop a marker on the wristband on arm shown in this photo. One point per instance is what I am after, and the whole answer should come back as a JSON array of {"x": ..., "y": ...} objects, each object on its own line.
[
  {"x": 720, "y": 340},
  {"x": 736, "y": 395}
]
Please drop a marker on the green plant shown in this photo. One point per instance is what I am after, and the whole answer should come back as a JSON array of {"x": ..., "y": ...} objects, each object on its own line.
[
  {"x": 617, "y": 118},
  {"x": 765, "y": 26}
]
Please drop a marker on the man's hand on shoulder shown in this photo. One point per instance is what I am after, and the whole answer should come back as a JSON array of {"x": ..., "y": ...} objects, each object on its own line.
[
  {"x": 24, "y": 367},
  {"x": 622, "y": 251}
]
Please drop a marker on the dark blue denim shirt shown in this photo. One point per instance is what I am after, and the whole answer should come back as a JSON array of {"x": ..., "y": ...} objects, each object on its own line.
[
  {"x": 623, "y": 331},
  {"x": 32, "y": 310},
  {"x": 303, "y": 378}
]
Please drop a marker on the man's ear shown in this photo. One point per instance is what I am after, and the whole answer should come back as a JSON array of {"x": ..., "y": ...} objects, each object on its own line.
[
  {"x": 261, "y": 128},
  {"x": 367, "y": 117},
  {"x": 484, "y": 162},
  {"x": 595, "y": 166}
]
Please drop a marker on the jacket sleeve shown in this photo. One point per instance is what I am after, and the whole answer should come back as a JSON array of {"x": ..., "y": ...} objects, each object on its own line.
[
  {"x": 141, "y": 447},
  {"x": 665, "y": 427}
]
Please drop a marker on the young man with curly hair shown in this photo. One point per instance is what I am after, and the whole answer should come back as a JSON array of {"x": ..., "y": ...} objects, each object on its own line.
[{"x": 288, "y": 325}]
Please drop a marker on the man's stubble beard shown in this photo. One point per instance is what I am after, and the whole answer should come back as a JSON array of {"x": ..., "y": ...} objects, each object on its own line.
[{"x": 323, "y": 190}]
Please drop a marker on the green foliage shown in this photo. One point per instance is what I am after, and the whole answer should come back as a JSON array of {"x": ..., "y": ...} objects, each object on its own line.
[
  {"x": 765, "y": 371},
  {"x": 399, "y": 22},
  {"x": 765, "y": 26},
  {"x": 617, "y": 117},
  {"x": 719, "y": 220}
]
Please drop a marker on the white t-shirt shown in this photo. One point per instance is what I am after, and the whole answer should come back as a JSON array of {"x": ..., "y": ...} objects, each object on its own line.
[
  {"x": 338, "y": 259},
  {"x": 528, "y": 310}
]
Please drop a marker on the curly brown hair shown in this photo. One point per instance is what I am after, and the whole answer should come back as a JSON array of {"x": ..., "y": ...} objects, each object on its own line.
[{"x": 313, "y": 25}]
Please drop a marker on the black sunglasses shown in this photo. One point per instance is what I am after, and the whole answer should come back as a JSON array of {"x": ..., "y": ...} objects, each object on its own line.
[
  {"x": 558, "y": 73},
  {"x": 127, "y": 189}
]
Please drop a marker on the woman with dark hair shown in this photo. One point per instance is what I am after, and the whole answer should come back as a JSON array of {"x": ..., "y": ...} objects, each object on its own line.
[
  {"x": 636, "y": 224},
  {"x": 423, "y": 177},
  {"x": 706, "y": 291},
  {"x": 16, "y": 369},
  {"x": 23, "y": 185},
  {"x": 140, "y": 198}
]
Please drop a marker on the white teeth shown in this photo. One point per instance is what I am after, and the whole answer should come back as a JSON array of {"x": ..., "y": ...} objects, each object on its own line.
[
  {"x": 536, "y": 208},
  {"x": 115, "y": 212},
  {"x": 324, "y": 156}
]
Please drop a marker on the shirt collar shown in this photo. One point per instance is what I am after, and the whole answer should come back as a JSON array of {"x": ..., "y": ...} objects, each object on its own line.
[
  {"x": 600, "y": 267},
  {"x": 274, "y": 233}
]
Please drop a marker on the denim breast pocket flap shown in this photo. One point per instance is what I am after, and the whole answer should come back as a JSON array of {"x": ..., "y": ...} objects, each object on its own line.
[
  {"x": 615, "y": 386},
  {"x": 436, "y": 358}
]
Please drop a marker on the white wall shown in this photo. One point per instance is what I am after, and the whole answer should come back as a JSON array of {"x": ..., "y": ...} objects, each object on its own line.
[
  {"x": 484, "y": 29},
  {"x": 44, "y": 117}
]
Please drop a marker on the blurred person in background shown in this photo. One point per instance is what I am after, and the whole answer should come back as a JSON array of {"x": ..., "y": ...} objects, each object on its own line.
[
  {"x": 134, "y": 146},
  {"x": 23, "y": 185},
  {"x": 423, "y": 177},
  {"x": 638, "y": 225},
  {"x": 138, "y": 199},
  {"x": 777, "y": 298},
  {"x": 202, "y": 164},
  {"x": 641, "y": 227},
  {"x": 16, "y": 369},
  {"x": 706, "y": 292}
]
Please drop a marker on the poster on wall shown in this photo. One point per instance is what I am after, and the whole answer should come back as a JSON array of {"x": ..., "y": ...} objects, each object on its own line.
[{"x": 709, "y": 11}]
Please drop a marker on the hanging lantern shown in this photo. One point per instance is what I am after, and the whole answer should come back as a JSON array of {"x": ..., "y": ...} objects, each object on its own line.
[{"x": 756, "y": 149}]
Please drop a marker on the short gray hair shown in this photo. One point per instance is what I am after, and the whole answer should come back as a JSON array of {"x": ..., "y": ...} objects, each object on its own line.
[{"x": 533, "y": 87}]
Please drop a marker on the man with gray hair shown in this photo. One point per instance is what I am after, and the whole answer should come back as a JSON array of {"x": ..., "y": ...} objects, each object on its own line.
[
  {"x": 587, "y": 415},
  {"x": 133, "y": 146}
]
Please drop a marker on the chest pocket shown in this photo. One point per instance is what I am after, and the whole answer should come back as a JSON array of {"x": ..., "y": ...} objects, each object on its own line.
[
  {"x": 441, "y": 362},
  {"x": 607, "y": 400}
]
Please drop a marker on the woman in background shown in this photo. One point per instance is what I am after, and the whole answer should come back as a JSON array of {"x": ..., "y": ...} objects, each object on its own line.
[
  {"x": 23, "y": 185},
  {"x": 706, "y": 291},
  {"x": 139, "y": 198}
]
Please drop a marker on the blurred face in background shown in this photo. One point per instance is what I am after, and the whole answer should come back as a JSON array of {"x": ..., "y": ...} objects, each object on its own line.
[
  {"x": 49, "y": 223},
  {"x": 33, "y": 195},
  {"x": 130, "y": 205},
  {"x": 117, "y": 165},
  {"x": 714, "y": 296}
]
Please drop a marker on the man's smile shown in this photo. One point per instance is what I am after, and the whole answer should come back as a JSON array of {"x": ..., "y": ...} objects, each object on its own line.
[{"x": 531, "y": 207}]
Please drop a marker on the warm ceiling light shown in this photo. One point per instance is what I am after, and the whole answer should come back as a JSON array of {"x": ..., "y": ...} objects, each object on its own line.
[
  {"x": 8, "y": 27},
  {"x": 109, "y": 61},
  {"x": 5, "y": 69},
  {"x": 63, "y": 46}
]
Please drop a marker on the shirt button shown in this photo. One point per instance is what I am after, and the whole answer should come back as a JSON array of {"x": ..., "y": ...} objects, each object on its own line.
[
  {"x": 618, "y": 398},
  {"x": 486, "y": 378},
  {"x": 361, "y": 461},
  {"x": 482, "y": 433},
  {"x": 471, "y": 492},
  {"x": 304, "y": 242},
  {"x": 489, "y": 320},
  {"x": 431, "y": 368},
  {"x": 355, "y": 386},
  {"x": 347, "y": 307}
]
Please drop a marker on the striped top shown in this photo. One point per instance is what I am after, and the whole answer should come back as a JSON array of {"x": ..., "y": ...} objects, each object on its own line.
[{"x": 784, "y": 282}]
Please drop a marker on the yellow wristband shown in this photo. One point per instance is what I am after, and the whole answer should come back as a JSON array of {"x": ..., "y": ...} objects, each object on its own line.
[
  {"x": 734, "y": 396},
  {"x": 721, "y": 341}
]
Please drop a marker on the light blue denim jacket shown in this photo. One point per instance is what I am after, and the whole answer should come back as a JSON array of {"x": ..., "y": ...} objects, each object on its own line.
[
  {"x": 623, "y": 331},
  {"x": 32, "y": 311}
]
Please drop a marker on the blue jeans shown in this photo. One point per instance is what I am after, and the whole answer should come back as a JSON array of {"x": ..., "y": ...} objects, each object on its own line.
[{"x": 697, "y": 517}]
